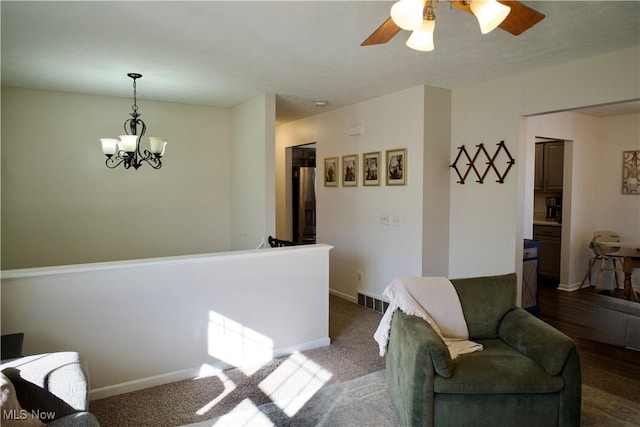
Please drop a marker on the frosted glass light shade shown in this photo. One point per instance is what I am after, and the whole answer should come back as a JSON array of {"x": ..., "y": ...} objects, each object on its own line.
[
  {"x": 490, "y": 14},
  {"x": 157, "y": 145},
  {"x": 422, "y": 38},
  {"x": 109, "y": 146},
  {"x": 128, "y": 143},
  {"x": 407, "y": 14}
]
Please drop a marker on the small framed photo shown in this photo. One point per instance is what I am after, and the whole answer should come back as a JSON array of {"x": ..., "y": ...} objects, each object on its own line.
[
  {"x": 370, "y": 167},
  {"x": 631, "y": 172},
  {"x": 396, "y": 165},
  {"x": 331, "y": 172},
  {"x": 350, "y": 170}
]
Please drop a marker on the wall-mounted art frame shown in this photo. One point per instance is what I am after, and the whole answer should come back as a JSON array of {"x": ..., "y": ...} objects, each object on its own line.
[
  {"x": 331, "y": 172},
  {"x": 370, "y": 168},
  {"x": 631, "y": 172},
  {"x": 396, "y": 166},
  {"x": 350, "y": 170}
]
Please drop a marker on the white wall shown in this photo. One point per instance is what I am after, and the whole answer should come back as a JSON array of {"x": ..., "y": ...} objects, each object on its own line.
[
  {"x": 617, "y": 211},
  {"x": 147, "y": 322},
  {"x": 486, "y": 220},
  {"x": 347, "y": 217},
  {"x": 436, "y": 186},
  {"x": 61, "y": 205},
  {"x": 483, "y": 217},
  {"x": 252, "y": 172}
]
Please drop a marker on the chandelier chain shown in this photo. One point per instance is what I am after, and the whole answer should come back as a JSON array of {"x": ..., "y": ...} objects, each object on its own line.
[{"x": 134, "y": 107}]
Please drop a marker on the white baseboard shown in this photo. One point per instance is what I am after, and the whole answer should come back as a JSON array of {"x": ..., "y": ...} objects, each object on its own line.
[
  {"x": 343, "y": 295},
  {"x": 298, "y": 348},
  {"x": 571, "y": 287},
  {"x": 139, "y": 384},
  {"x": 185, "y": 374}
]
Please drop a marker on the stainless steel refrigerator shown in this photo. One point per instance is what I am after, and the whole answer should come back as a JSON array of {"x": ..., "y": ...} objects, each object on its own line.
[{"x": 304, "y": 204}]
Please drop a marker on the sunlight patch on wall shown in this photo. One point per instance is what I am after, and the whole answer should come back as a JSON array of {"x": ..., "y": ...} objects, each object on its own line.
[
  {"x": 236, "y": 344},
  {"x": 294, "y": 382}
]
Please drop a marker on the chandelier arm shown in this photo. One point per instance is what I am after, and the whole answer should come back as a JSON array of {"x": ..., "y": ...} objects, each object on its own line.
[
  {"x": 155, "y": 161},
  {"x": 142, "y": 132},
  {"x": 137, "y": 155},
  {"x": 114, "y": 161}
]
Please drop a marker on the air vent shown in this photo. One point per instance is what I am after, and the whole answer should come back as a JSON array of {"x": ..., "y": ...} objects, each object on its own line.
[{"x": 372, "y": 303}]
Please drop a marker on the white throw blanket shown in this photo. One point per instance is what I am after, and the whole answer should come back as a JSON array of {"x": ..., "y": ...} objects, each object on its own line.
[{"x": 436, "y": 301}]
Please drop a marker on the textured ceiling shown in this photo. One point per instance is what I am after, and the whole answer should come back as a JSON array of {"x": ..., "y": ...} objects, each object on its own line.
[{"x": 224, "y": 53}]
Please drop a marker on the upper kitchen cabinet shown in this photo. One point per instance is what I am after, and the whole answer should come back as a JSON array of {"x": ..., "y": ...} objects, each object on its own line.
[{"x": 549, "y": 166}]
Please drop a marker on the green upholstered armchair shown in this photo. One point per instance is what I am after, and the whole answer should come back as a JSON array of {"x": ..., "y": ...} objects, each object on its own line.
[{"x": 528, "y": 373}]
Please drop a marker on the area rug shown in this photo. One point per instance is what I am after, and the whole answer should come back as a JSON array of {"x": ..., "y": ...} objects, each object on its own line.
[{"x": 365, "y": 401}]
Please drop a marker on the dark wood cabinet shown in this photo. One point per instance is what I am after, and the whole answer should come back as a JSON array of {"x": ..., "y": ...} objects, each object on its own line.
[
  {"x": 549, "y": 166},
  {"x": 550, "y": 249}
]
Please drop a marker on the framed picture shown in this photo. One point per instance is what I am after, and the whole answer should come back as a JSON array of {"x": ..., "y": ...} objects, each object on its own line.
[
  {"x": 350, "y": 170},
  {"x": 631, "y": 172},
  {"x": 370, "y": 166},
  {"x": 331, "y": 172},
  {"x": 396, "y": 166}
]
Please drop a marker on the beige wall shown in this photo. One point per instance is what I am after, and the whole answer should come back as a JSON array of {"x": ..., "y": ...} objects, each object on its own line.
[
  {"x": 485, "y": 225},
  {"x": 65, "y": 194},
  {"x": 486, "y": 221},
  {"x": 617, "y": 211},
  {"x": 61, "y": 205},
  {"x": 252, "y": 172},
  {"x": 347, "y": 217}
]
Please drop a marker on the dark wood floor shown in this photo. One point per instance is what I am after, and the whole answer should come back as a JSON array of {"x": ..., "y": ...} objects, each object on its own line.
[{"x": 614, "y": 369}]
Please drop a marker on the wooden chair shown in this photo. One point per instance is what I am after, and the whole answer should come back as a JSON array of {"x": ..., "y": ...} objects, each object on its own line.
[{"x": 603, "y": 245}]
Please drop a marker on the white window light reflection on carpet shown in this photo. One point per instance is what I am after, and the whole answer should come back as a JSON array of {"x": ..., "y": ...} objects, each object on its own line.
[
  {"x": 290, "y": 386},
  {"x": 294, "y": 382},
  {"x": 229, "y": 386},
  {"x": 246, "y": 413}
]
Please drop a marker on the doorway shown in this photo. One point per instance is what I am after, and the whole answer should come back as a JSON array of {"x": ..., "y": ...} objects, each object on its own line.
[
  {"x": 547, "y": 205},
  {"x": 590, "y": 186},
  {"x": 303, "y": 194}
]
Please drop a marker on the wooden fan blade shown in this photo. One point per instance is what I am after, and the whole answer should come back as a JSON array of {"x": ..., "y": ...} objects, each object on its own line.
[
  {"x": 519, "y": 20},
  {"x": 383, "y": 34}
]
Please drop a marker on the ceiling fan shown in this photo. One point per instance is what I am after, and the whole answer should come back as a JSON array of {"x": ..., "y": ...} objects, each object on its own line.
[{"x": 418, "y": 16}]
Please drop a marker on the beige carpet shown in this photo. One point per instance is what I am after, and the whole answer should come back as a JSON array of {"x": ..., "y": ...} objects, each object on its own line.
[
  {"x": 304, "y": 385},
  {"x": 365, "y": 401},
  {"x": 353, "y": 353}
]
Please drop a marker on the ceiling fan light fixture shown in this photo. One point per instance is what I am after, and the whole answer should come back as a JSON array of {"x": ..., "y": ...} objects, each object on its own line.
[
  {"x": 422, "y": 38},
  {"x": 407, "y": 14},
  {"x": 490, "y": 14}
]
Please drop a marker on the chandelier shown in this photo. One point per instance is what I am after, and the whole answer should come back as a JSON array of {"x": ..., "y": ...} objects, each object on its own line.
[
  {"x": 126, "y": 150},
  {"x": 418, "y": 16}
]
